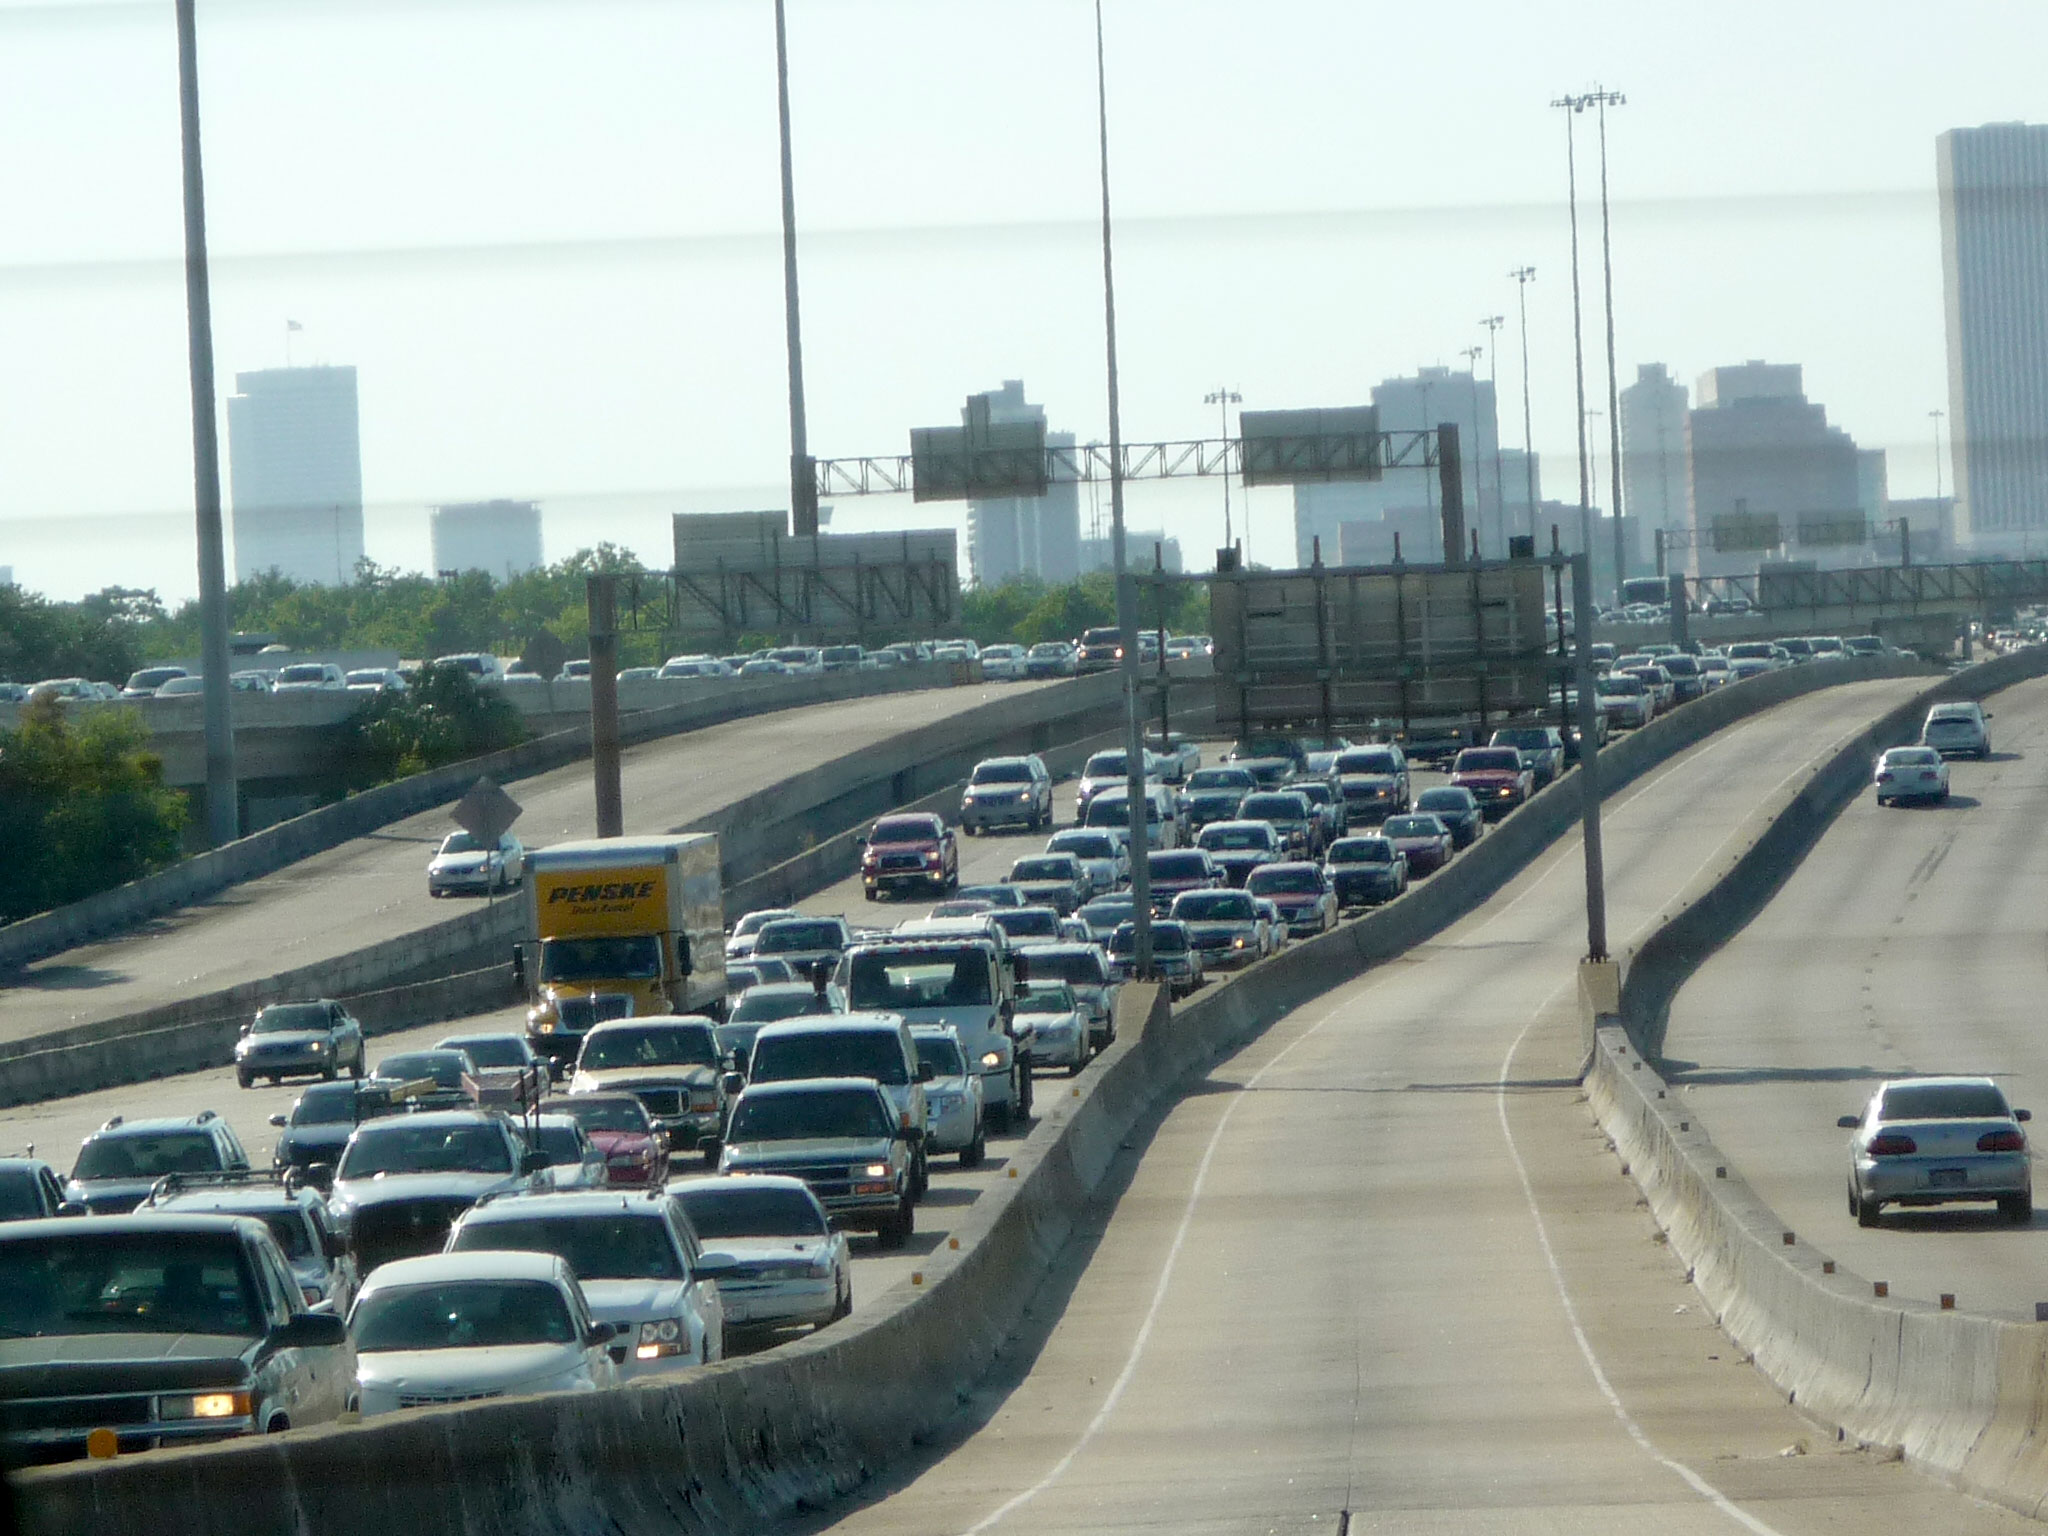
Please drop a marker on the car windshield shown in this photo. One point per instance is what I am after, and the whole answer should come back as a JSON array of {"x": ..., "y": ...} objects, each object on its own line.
[
  {"x": 1527, "y": 738},
  {"x": 462, "y": 1314},
  {"x": 1115, "y": 810},
  {"x": 758, "y": 1006},
  {"x": 1362, "y": 850},
  {"x": 89, "y": 1281},
  {"x": 1376, "y": 763},
  {"x": 284, "y": 1018},
  {"x": 1620, "y": 684},
  {"x": 1106, "y": 914},
  {"x": 460, "y": 842},
  {"x": 1276, "y": 879},
  {"x": 1167, "y": 939},
  {"x": 791, "y": 936},
  {"x": 742, "y": 1209},
  {"x": 613, "y": 1112},
  {"x": 873, "y": 1053},
  {"x": 1943, "y": 1101},
  {"x": 1104, "y": 765},
  {"x": 754, "y": 922},
  {"x": 406, "y": 1147},
  {"x": 1274, "y": 808},
  {"x": 835, "y": 1113},
  {"x": 303, "y": 673},
  {"x": 904, "y": 829},
  {"x": 334, "y": 1105},
  {"x": 1049, "y": 868},
  {"x": 1214, "y": 907},
  {"x": 636, "y": 957},
  {"x": 650, "y": 1045},
  {"x": 1680, "y": 666},
  {"x": 446, "y": 1068},
  {"x": 1444, "y": 800},
  {"x": 607, "y": 1245},
  {"x": 493, "y": 1050},
  {"x": 1084, "y": 845},
  {"x": 1028, "y": 923},
  {"x": 942, "y": 1054},
  {"x": 1001, "y": 773},
  {"x": 1193, "y": 865},
  {"x": 1045, "y": 997},
  {"x": 1226, "y": 836},
  {"x": 1220, "y": 778},
  {"x": 146, "y": 1156},
  {"x": 924, "y": 978},
  {"x": 1414, "y": 826},
  {"x": 1488, "y": 760},
  {"x": 1912, "y": 756}
]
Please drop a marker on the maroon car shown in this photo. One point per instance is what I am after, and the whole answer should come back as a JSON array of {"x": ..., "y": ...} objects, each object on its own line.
[
  {"x": 1425, "y": 840},
  {"x": 635, "y": 1153},
  {"x": 1499, "y": 777},
  {"x": 916, "y": 849}
]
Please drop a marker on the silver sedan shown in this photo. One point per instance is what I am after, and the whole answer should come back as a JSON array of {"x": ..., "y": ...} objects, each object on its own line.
[
  {"x": 767, "y": 1242},
  {"x": 1938, "y": 1141}
]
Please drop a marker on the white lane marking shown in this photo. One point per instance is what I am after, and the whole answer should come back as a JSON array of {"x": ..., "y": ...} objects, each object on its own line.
[
  {"x": 1635, "y": 1431},
  {"x": 1130, "y": 1369}
]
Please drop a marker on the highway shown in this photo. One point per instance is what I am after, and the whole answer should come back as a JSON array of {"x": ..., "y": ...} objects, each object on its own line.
[
  {"x": 1379, "y": 1272},
  {"x": 375, "y": 888},
  {"x": 1909, "y": 941}
]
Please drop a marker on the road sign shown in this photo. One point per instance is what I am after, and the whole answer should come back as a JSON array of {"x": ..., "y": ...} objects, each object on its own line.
[
  {"x": 1311, "y": 447},
  {"x": 486, "y": 813},
  {"x": 1739, "y": 531},
  {"x": 544, "y": 654}
]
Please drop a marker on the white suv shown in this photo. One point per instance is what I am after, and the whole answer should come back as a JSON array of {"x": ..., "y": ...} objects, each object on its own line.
[{"x": 1958, "y": 730}]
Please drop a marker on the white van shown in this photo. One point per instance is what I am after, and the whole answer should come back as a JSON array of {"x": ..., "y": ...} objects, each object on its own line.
[{"x": 1110, "y": 809}]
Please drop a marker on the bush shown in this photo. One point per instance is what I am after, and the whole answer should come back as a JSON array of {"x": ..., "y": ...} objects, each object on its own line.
[
  {"x": 83, "y": 807},
  {"x": 444, "y": 719}
]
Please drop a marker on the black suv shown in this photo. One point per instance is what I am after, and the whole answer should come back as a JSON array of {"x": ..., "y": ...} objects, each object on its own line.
[
  {"x": 120, "y": 1162},
  {"x": 164, "y": 1329}
]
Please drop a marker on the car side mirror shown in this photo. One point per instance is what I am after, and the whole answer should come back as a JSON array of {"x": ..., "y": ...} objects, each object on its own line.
[
  {"x": 2023, "y": 1115},
  {"x": 278, "y": 1121},
  {"x": 73, "y": 1208},
  {"x": 533, "y": 1162},
  {"x": 1021, "y": 967},
  {"x": 926, "y": 1072},
  {"x": 601, "y": 1333},
  {"x": 335, "y": 1246},
  {"x": 733, "y": 1082},
  {"x": 1849, "y": 1122},
  {"x": 312, "y": 1330},
  {"x": 246, "y": 1027},
  {"x": 518, "y": 967}
]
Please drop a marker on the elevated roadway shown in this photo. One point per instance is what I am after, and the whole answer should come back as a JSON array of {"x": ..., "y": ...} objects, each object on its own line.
[
  {"x": 1378, "y": 1272},
  {"x": 1909, "y": 941},
  {"x": 374, "y": 888}
]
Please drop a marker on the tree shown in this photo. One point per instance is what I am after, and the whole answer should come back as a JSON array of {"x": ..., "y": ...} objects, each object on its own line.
[
  {"x": 443, "y": 719},
  {"x": 39, "y": 639},
  {"x": 83, "y": 807}
]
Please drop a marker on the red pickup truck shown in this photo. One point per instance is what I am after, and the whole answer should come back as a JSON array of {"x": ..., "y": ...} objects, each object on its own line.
[
  {"x": 1499, "y": 778},
  {"x": 915, "y": 849}
]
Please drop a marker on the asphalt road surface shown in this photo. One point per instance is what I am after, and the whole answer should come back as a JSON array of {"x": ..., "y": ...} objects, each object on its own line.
[
  {"x": 1379, "y": 1271},
  {"x": 1909, "y": 941}
]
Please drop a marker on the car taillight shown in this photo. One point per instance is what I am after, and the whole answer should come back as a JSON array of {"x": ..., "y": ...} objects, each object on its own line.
[
  {"x": 1892, "y": 1144},
  {"x": 1884, "y": 778},
  {"x": 2002, "y": 1141}
]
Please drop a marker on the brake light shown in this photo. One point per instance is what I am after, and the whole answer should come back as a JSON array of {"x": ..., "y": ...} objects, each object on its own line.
[
  {"x": 2002, "y": 1141},
  {"x": 1892, "y": 1144}
]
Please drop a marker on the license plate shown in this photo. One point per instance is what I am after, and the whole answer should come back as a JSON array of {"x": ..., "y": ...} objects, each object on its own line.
[{"x": 1947, "y": 1178}]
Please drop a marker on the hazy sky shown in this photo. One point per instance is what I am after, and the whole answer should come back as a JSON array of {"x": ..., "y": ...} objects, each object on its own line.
[{"x": 546, "y": 231}]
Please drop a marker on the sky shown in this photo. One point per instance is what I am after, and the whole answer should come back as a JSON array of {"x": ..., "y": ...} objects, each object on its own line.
[{"x": 547, "y": 233}]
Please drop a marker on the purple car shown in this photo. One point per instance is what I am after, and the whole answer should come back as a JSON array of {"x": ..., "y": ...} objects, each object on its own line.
[{"x": 1424, "y": 839}]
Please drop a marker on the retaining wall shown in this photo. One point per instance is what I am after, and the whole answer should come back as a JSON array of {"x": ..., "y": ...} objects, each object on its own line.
[
  {"x": 749, "y": 1442},
  {"x": 1959, "y": 1393}
]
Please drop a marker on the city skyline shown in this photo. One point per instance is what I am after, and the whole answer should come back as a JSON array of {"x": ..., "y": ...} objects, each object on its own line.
[{"x": 546, "y": 236}]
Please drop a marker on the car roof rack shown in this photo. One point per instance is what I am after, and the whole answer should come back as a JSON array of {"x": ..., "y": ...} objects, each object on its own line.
[{"x": 289, "y": 1180}]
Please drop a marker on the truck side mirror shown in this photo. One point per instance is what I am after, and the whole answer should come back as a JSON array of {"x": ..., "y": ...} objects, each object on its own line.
[
  {"x": 1021, "y": 965},
  {"x": 682, "y": 954},
  {"x": 926, "y": 1072},
  {"x": 278, "y": 1121},
  {"x": 518, "y": 966}
]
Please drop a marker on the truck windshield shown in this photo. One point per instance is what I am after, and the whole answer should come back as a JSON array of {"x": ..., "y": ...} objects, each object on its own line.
[
  {"x": 146, "y": 1156},
  {"x": 875, "y": 1053},
  {"x": 635, "y": 957},
  {"x": 923, "y": 978},
  {"x": 790, "y": 937},
  {"x": 667, "y": 1045},
  {"x": 840, "y": 1114},
  {"x": 740, "y": 1211},
  {"x": 401, "y": 1147},
  {"x": 89, "y": 1281}
]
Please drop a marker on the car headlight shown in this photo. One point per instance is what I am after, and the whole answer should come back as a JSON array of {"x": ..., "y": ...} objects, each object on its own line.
[
  {"x": 316, "y": 1046},
  {"x": 991, "y": 1059},
  {"x": 658, "y": 1339},
  {"x": 821, "y": 1266},
  {"x": 203, "y": 1405},
  {"x": 875, "y": 1171}
]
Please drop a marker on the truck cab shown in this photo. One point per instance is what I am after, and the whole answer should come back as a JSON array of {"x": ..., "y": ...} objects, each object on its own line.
[{"x": 622, "y": 928}]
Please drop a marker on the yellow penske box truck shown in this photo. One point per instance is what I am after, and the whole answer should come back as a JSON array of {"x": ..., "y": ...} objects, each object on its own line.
[{"x": 623, "y": 927}]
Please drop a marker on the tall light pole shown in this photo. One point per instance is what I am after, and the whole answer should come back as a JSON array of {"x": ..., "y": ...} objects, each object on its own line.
[
  {"x": 1573, "y": 106},
  {"x": 1223, "y": 399},
  {"x": 1935, "y": 417},
  {"x": 1523, "y": 277},
  {"x": 223, "y": 816},
  {"x": 1471, "y": 356},
  {"x": 1126, "y": 592},
  {"x": 1493, "y": 323},
  {"x": 1604, "y": 99},
  {"x": 803, "y": 484}
]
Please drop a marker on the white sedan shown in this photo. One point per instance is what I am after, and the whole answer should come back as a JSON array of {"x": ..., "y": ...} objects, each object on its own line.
[
  {"x": 768, "y": 1244},
  {"x": 1911, "y": 773},
  {"x": 452, "y": 1327}
]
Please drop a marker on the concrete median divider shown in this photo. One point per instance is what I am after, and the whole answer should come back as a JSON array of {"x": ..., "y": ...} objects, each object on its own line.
[
  {"x": 1958, "y": 1393},
  {"x": 757, "y": 1440}
]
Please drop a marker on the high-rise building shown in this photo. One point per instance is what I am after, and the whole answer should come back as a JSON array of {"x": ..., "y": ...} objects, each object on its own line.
[
  {"x": 1142, "y": 552},
  {"x": 295, "y": 474},
  {"x": 1758, "y": 450},
  {"x": 499, "y": 537},
  {"x": 6, "y": 575},
  {"x": 1431, "y": 397},
  {"x": 1653, "y": 474},
  {"x": 1993, "y": 183},
  {"x": 1016, "y": 536}
]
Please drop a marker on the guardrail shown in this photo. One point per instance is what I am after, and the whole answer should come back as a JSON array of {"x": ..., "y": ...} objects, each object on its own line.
[{"x": 745, "y": 1443}]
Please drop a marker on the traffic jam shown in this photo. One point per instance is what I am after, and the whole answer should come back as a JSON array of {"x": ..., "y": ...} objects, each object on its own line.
[{"x": 691, "y": 1140}]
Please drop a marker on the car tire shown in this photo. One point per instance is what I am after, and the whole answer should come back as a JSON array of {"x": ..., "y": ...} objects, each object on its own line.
[
  {"x": 1024, "y": 1096},
  {"x": 2017, "y": 1209},
  {"x": 245, "y": 1079},
  {"x": 357, "y": 1067},
  {"x": 329, "y": 1072},
  {"x": 972, "y": 1154},
  {"x": 920, "y": 1176},
  {"x": 1867, "y": 1212},
  {"x": 895, "y": 1231}
]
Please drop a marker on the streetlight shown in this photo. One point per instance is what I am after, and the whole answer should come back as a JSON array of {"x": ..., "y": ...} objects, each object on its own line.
[
  {"x": 1603, "y": 99},
  {"x": 1573, "y": 106},
  {"x": 803, "y": 480},
  {"x": 1523, "y": 277},
  {"x": 1493, "y": 323},
  {"x": 1223, "y": 399},
  {"x": 1935, "y": 417},
  {"x": 1471, "y": 356}
]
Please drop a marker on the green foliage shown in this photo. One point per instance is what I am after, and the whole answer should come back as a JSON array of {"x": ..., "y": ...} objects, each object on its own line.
[
  {"x": 444, "y": 719},
  {"x": 83, "y": 807},
  {"x": 1029, "y": 611},
  {"x": 96, "y": 638}
]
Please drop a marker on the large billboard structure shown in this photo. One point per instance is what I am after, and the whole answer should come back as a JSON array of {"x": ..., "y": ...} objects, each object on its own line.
[
  {"x": 1312, "y": 446},
  {"x": 982, "y": 460},
  {"x": 1381, "y": 647},
  {"x": 741, "y": 573}
]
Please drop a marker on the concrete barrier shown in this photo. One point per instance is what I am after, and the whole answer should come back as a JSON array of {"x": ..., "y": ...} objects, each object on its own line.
[
  {"x": 262, "y": 853},
  {"x": 753, "y": 1441},
  {"x": 1957, "y": 1392}
]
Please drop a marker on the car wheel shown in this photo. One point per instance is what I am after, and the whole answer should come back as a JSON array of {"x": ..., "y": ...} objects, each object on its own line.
[
  {"x": 920, "y": 1176},
  {"x": 329, "y": 1072},
  {"x": 1867, "y": 1212},
  {"x": 2016, "y": 1208},
  {"x": 972, "y": 1154},
  {"x": 1024, "y": 1094},
  {"x": 245, "y": 1079},
  {"x": 895, "y": 1231},
  {"x": 357, "y": 1067}
]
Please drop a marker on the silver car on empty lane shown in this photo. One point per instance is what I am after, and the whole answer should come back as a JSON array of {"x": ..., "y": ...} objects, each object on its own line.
[{"x": 1938, "y": 1141}]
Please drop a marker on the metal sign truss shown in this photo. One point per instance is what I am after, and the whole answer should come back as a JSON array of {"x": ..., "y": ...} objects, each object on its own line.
[{"x": 1991, "y": 584}]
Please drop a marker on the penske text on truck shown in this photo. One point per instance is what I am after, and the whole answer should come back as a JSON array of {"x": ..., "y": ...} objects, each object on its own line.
[{"x": 623, "y": 927}]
